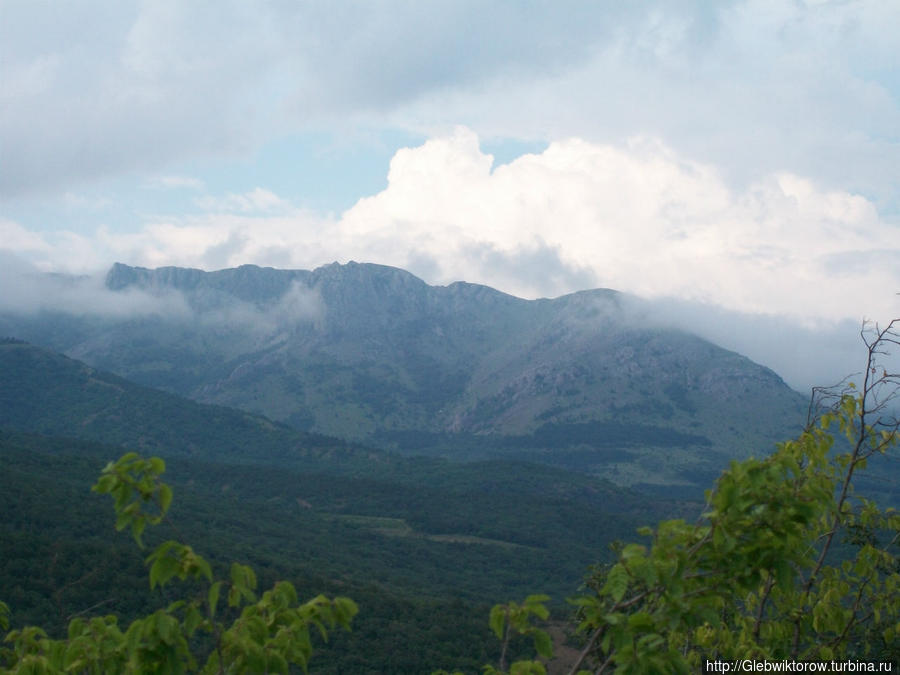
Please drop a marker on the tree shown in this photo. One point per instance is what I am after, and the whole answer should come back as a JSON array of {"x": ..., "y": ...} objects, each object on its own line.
[
  {"x": 787, "y": 561},
  {"x": 268, "y": 634}
]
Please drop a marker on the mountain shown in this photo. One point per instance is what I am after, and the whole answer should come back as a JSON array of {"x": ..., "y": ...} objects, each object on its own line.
[
  {"x": 374, "y": 354},
  {"x": 48, "y": 393},
  {"x": 45, "y": 393},
  {"x": 409, "y": 537}
]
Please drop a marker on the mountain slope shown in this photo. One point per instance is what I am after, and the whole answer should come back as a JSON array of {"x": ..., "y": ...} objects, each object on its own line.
[
  {"x": 42, "y": 392},
  {"x": 48, "y": 393},
  {"x": 372, "y": 353}
]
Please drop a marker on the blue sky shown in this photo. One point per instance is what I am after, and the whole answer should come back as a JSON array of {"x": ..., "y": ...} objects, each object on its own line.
[{"x": 740, "y": 156}]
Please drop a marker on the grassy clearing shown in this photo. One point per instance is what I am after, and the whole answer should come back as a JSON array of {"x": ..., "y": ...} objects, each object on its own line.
[{"x": 397, "y": 527}]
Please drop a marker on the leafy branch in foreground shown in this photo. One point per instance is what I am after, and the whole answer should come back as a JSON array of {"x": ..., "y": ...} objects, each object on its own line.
[
  {"x": 269, "y": 634},
  {"x": 512, "y": 619},
  {"x": 786, "y": 562}
]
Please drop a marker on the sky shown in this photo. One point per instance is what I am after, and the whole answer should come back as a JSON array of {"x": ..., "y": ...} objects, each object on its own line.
[{"x": 736, "y": 164}]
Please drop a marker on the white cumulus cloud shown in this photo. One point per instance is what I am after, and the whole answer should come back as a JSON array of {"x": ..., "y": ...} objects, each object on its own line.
[{"x": 636, "y": 217}]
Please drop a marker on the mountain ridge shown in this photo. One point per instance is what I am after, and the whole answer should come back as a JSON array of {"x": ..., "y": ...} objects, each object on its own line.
[{"x": 363, "y": 351}]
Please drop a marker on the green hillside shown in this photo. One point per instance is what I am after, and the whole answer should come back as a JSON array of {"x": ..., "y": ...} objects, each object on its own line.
[
  {"x": 375, "y": 355},
  {"x": 45, "y": 392},
  {"x": 409, "y": 538},
  {"x": 407, "y": 552}
]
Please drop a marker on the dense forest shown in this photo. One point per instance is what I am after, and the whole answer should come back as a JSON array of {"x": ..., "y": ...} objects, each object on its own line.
[{"x": 405, "y": 553}]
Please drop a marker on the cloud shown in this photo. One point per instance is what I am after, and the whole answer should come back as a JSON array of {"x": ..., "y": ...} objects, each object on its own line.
[
  {"x": 29, "y": 291},
  {"x": 174, "y": 183},
  {"x": 17, "y": 238},
  {"x": 134, "y": 88},
  {"x": 297, "y": 306},
  {"x": 536, "y": 270},
  {"x": 751, "y": 86},
  {"x": 640, "y": 218},
  {"x": 256, "y": 200},
  {"x": 637, "y": 217},
  {"x": 805, "y": 353},
  {"x": 77, "y": 201}
]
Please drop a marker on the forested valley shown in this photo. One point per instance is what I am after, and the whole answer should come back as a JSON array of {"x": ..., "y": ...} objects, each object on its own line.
[{"x": 409, "y": 539}]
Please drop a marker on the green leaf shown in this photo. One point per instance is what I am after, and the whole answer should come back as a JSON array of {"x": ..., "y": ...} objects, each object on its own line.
[
  {"x": 784, "y": 574},
  {"x": 498, "y": 620},
  {"x": 122, "y": 521},
  {"x": 633, "y": 551},
  {"x": 200, "y": 567},
  {"x": 543, "y": 645},
  {"x": 527, "y": 668},
  {"x": 165, "y": 497},
  {"x": 535, "y": 605},
  {"x": 640, "y": 622},
  {"x": 213, "y": 597},
  {"x": 162, "y": 570},
  {"x": 616, "y": 582}
]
